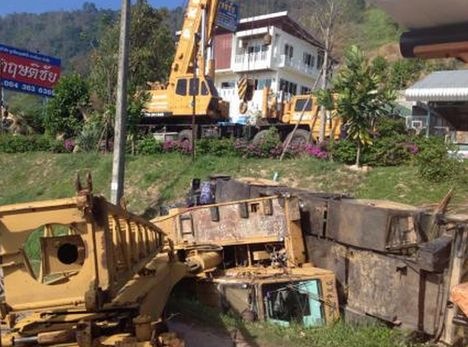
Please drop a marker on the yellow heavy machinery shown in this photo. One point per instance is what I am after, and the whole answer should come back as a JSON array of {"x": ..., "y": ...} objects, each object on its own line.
[
  {"x": 83, "y": 272},
  {"x": 265, "y": 274},
  {"x": 301, "y": 111},
  {"x": 171, "y": 104}
]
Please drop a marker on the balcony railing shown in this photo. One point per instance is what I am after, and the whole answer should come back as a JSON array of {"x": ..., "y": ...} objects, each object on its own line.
[
  {"x": 286, "y": 61},
  {"x": 251, "y": 61},
  {"x": 251, "y": 57}
]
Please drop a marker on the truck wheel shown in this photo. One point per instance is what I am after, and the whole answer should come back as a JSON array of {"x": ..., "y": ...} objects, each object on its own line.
[
  {"x": 260, "y": 137},
  {"x": 185, "y": 136},
  {"x": 301, "y": 137}
]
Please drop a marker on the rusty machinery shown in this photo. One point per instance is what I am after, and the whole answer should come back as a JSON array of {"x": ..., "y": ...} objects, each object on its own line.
[
  {"x": 393, "y": 262},
  {"x": 265, "y": 273},
  {"x": 84, "y": 272}
]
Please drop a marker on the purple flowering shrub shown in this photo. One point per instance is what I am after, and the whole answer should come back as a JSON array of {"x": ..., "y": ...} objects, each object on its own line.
[
  {"x": 69, "y": 145},
  {"x": 183, "y": 147}
]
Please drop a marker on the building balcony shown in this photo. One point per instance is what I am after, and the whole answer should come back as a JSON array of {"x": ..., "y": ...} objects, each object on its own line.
[
  {"x": 295, "y": 65},
  {"x": 252, "y": 61}
]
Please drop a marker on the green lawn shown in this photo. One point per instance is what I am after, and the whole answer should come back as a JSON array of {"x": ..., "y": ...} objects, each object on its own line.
[{"x": 160, "y": 179}]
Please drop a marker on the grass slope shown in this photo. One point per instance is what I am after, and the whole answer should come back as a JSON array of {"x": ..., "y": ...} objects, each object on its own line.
[
  {"x": 263, "y": 334},
  {"x": 161, "y": 179}
]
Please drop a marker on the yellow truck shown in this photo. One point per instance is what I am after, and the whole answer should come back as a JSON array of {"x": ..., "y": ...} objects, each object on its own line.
[
  {"x": 302, "y": 111},
  {"x": 190, "y": 89}
]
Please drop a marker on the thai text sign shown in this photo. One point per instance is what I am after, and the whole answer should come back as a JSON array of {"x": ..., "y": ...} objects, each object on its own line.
[
  {"x": 228, "y": 15},
  {"x": 28, "y": 72}
]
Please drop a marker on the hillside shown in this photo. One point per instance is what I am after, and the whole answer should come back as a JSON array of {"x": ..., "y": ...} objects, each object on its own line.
[
  {"x": 162, "y": 179},
  {"x": 70, "y": 35},
  {"x": 73, "y": 35}
]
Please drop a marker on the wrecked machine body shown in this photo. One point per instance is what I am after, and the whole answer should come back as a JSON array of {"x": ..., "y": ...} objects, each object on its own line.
[
  {"x": 394, "y": 263},
  {"x": 84, "y": 272},
  {"x": 264, "y": 274}
]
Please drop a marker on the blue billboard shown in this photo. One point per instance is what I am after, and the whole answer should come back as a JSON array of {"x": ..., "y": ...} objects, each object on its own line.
[{"x": 228, "y": 15}]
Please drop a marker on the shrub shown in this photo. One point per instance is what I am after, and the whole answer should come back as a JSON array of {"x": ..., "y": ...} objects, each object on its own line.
[
  {"x": 177, "y": 146},
  {"x": 89, "y": 137},
  {"x": 217, "y": 147},
  {"x": 388, "y": 127},
  {"x": 434, "y": 162},
  {"x": 316, "y": 151},
  {"x": 148, "y": 145},
  {"x": 31, "y": 143},
  {"x": 385, "y": 151},
  {"x": 390, "y": 151},
  {"x": 345, "y": 152}
]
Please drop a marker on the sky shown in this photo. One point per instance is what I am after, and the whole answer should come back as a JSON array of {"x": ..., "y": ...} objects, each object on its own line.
[{"x": 38, "y": 6}]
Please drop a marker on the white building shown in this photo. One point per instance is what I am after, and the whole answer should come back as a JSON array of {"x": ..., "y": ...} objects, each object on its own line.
[{"x": 272, "y": 49}]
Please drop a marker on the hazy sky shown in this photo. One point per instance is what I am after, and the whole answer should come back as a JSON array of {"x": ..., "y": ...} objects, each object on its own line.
[{"x": 37, "y": 6}]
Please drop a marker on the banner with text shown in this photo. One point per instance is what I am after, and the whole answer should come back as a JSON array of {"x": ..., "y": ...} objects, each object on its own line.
[
  {"x": 228, "y": 15},
  {"x": 28, "y": 72}
]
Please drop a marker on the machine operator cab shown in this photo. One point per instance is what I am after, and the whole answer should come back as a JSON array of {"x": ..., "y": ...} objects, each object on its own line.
[{"x": 177, "y": 99}]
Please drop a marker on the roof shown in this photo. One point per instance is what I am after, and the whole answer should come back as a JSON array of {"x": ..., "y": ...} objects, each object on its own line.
[
  {"x": 419, "y": 14},
  {"x": 280, "y": 20},
  {"x": 441, "y": 86}
]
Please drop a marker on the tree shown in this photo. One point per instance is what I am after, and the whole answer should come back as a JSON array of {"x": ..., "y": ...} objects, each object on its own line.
[
  {"x": 360, "y": 96},
  {"x": 65, "y": 111},
  {"x": 151, "y": 53},
  {"x": 329, "y": 17}
]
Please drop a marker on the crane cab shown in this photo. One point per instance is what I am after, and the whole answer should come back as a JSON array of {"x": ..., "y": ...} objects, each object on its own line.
[{"x": 177, "y": 99}]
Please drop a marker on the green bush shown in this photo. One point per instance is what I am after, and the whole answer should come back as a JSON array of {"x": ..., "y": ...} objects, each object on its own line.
[
  {"x": 385, "y": 151},
  {"x": 389, "y": 127},
  {"x": 31, "y": 143},
  {"x": 89, "y": 137},
  {"x": 434, "y": 162},
  {"x": 390, "y": 151},
  {"x": 216, "y": 147},
  {"x": 148, "y": 145},
  {"x": 344, "y": 152}
]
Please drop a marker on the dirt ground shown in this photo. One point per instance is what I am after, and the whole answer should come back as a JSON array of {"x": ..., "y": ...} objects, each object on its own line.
[{"x": 197, "y": 335}]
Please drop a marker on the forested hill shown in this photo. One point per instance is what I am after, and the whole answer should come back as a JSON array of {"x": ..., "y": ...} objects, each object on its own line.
[
  {"x": 70, "y": 35},
  {"x": 73, "y": 35}
]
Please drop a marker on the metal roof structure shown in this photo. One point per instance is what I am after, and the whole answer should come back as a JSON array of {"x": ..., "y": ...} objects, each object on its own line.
[
  {"x": 419, "y": 14},
  {"x": 441, "y": 86},
  {"x": 281, "y": 20}
]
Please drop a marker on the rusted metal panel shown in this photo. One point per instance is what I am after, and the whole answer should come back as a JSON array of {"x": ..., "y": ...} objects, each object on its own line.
[
  {"x": 373, "y": 225},
  {"x": 262, "y": 223},
  {"x": 391, "y": 288}
]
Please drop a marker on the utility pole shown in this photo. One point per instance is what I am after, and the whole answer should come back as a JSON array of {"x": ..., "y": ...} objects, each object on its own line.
[
  {"x": 120, "y": 133},
  {"x": 194, "y": 89}
]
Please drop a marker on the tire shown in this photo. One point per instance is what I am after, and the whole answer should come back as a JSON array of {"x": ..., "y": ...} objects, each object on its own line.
[
  {"x": 185, "y": 136},
  {"x": 260, "y": 137},
  {"x": 301, "y": 137}
]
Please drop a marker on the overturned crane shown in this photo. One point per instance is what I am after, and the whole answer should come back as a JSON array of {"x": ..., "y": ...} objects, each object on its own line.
[{"x": 84, "y": 272}]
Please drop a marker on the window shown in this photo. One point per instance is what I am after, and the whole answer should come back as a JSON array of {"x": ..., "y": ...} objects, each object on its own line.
[
  {"x": 194, "y": 86},
  {"x": 309, "y": 60},
  {"x": 181, "y": 88},
  {"x": 301, "y": 103},
  {"x": 289, "y": 51},
  {"x": 320, "y": 59},
  {"x": 204, "y": 89},
  {"x": 305, "y": 90},
  {"x": 261, "y": 84},
  {"x": 228, "y": 85},
  {"x": 288, "y": 87}
]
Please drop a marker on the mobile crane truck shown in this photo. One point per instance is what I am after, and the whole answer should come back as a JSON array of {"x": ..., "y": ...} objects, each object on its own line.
[{"x": 190, "y": 93}]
